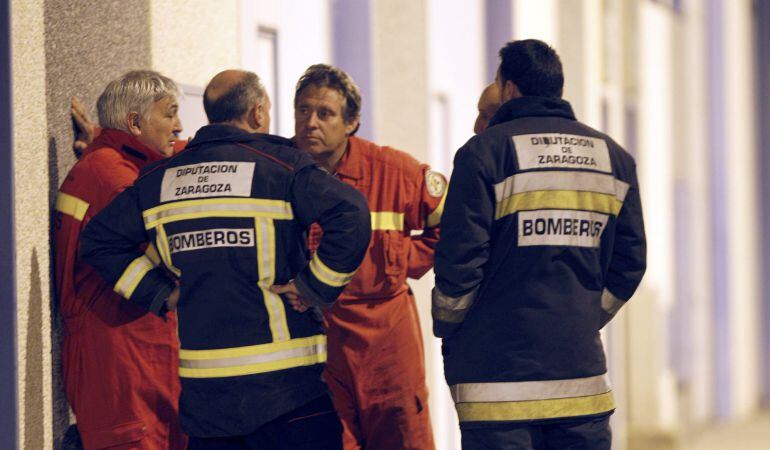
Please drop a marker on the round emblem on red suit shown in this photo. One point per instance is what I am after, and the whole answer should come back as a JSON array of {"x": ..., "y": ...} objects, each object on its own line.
[{"x": 435, "y": 183}]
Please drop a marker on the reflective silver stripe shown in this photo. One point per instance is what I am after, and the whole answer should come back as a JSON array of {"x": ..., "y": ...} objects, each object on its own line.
[
  {"x": 266, "y": 267},
  {"x": 133, "y": 275},
  {"x": 451, "y": 309},
  {"x": 529, "y": 390},
  {"x": 611, "y": 304},
  {"x": 621, "y": 189},
  {"x": 328, "y": 276},
  {"x": 316, "y": 349},
  {"x": 220, "y": 207},
  {"x": 552, "y": 180}
]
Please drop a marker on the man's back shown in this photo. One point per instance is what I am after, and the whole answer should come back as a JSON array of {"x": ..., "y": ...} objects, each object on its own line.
[
  {"x": 556, "y": 189},
  {"x": 552, "y": 208},
  {"x": 227, "y": 216}
]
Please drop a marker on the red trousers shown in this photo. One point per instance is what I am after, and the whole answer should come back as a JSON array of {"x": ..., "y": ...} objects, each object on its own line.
[{"x": 376, "y": 373}]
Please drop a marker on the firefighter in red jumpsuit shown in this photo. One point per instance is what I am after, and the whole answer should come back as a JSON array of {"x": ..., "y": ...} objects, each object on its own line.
[
  {"x": 119, "y": 363},
  {"x": 375, "y": 367}
]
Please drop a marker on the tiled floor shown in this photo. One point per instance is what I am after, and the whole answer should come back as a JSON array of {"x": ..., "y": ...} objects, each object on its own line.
[{"x": 753, "y": 434}]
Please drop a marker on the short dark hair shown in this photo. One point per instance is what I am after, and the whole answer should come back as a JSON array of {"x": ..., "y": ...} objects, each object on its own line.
[
  {"x": 324, "y": 75},
  {"x": 533, "y": 66},
  {"x": 236, "y": 102}
]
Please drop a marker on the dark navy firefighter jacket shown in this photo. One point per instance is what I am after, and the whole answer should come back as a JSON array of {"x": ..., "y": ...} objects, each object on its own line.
[
  {"x": 228, "y": 217},
  {"x": 542, "y": 241}
]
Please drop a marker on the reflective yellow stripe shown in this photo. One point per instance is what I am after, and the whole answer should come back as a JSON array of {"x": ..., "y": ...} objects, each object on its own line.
[
  {"x": 252, "y": 359},
  {"x": 585, "y": 201},
  {"x": 516, "y": 391},
  {"x": 434, "y": 219},
  {"x": 71, "y": 205},
  {"x": 328, "y": 276},
  {"x": 152, "y": 253},
  {"x": 535, "y": 409},
  {"x": 561, "y": 180},
  {"x": 259, "y": 349},
  {"x": 165, "y": 252},
  {"x": 276, "y": 310},
  {"x": 252, "y": 369},
  {"x": 387, "y": 221},
  {"x": 216, "y": 207},
  {"x": 133, "y": 275}
]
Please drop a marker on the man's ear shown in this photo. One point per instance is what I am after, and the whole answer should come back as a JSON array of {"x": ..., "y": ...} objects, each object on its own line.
[
  {"x": 260, "y": 114},
  {"x": 510, "y": 91},
  {"x": 133, "y": 120},
  {"x": 351, "y": 127},
  {"x": 252, "y": 117}
]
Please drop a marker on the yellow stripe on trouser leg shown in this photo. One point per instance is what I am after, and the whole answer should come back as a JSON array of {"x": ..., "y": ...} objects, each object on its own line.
[
  {"x": 535, "y": 409},
  {"x": 266, "y": 263}
]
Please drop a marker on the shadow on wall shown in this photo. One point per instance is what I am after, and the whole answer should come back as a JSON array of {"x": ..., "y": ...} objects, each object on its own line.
[
  {"x": 60, "y": 413},
  {"x": 33, "y": 383}
]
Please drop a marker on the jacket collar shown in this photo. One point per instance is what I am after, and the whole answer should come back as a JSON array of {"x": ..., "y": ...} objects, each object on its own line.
[
  {"x": 530, "y": 106},
  {"x": 130, "y": 147},
  {"x": 350, "y": 164},
  {"x": 220, "y": 132}
]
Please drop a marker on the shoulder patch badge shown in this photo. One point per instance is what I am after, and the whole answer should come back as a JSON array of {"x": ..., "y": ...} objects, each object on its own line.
[{"x": 435, "y": 183}]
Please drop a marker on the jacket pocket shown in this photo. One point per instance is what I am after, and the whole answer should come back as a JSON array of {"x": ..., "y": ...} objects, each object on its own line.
[{"x": 393, "y": 252}]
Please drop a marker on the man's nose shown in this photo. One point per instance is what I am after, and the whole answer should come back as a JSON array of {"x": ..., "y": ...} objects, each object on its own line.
[{"x": 312, "y": 120}]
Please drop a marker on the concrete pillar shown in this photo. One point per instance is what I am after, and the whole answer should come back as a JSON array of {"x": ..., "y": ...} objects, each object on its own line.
[
  {"x": 400, "y": 93},
  {"x": 742, "y": 207},
  {"x": 652, "y": 393},
  {"x": 31, "y": 191}
]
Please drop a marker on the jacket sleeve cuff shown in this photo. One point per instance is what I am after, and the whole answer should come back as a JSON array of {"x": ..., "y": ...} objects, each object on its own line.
[
  {"x": 308, "y": 294},
  {"x": 610, "y": 306},
  {"x": 158, "y": 304},
  {"x": 449, "y": 312}
]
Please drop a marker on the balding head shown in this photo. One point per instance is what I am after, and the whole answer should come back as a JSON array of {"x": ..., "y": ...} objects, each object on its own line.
[
  {"x": 489, "y": 102},
  {"x": 237, "y": 97}
]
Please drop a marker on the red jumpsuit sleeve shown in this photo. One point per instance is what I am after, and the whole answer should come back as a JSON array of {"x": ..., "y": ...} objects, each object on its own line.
[{"x": 423, "y": 212}]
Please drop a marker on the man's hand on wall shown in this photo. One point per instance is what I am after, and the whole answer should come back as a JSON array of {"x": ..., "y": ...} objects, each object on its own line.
[{"x": 83, "y": 125}]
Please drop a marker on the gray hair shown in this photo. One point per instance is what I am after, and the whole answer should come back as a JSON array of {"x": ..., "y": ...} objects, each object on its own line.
[
  {"x": 237, "y": 101},
  {"x": 136, "y": 91}
]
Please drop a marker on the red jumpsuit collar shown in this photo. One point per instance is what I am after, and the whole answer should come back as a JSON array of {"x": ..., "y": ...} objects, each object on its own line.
[
  {"x": 131, "y": 148},
  {"x": 351, "y": 163}
]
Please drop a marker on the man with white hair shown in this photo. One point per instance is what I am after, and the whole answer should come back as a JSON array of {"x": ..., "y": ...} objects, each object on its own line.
[{"x": 119, "y": 363}]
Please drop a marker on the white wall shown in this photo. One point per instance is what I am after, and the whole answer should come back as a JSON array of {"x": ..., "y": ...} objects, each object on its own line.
[
  {"x": 742, "y": 201},
  {"x": 653, "y": 393},
  {"x": 303, "y": 39},
  {"x": 693, "y": 169},
  {"x": 455, "y": 81}
]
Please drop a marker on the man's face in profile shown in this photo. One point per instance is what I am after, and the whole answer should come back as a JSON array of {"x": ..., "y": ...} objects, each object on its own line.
[{"x": 489, "y": 102}]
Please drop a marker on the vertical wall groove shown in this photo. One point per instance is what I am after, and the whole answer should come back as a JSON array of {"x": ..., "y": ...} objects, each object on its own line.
[
  {"x": 719, "y": 223},
  {"x": 8, "y": 407},
  {"x": 762, "y": 28}
]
